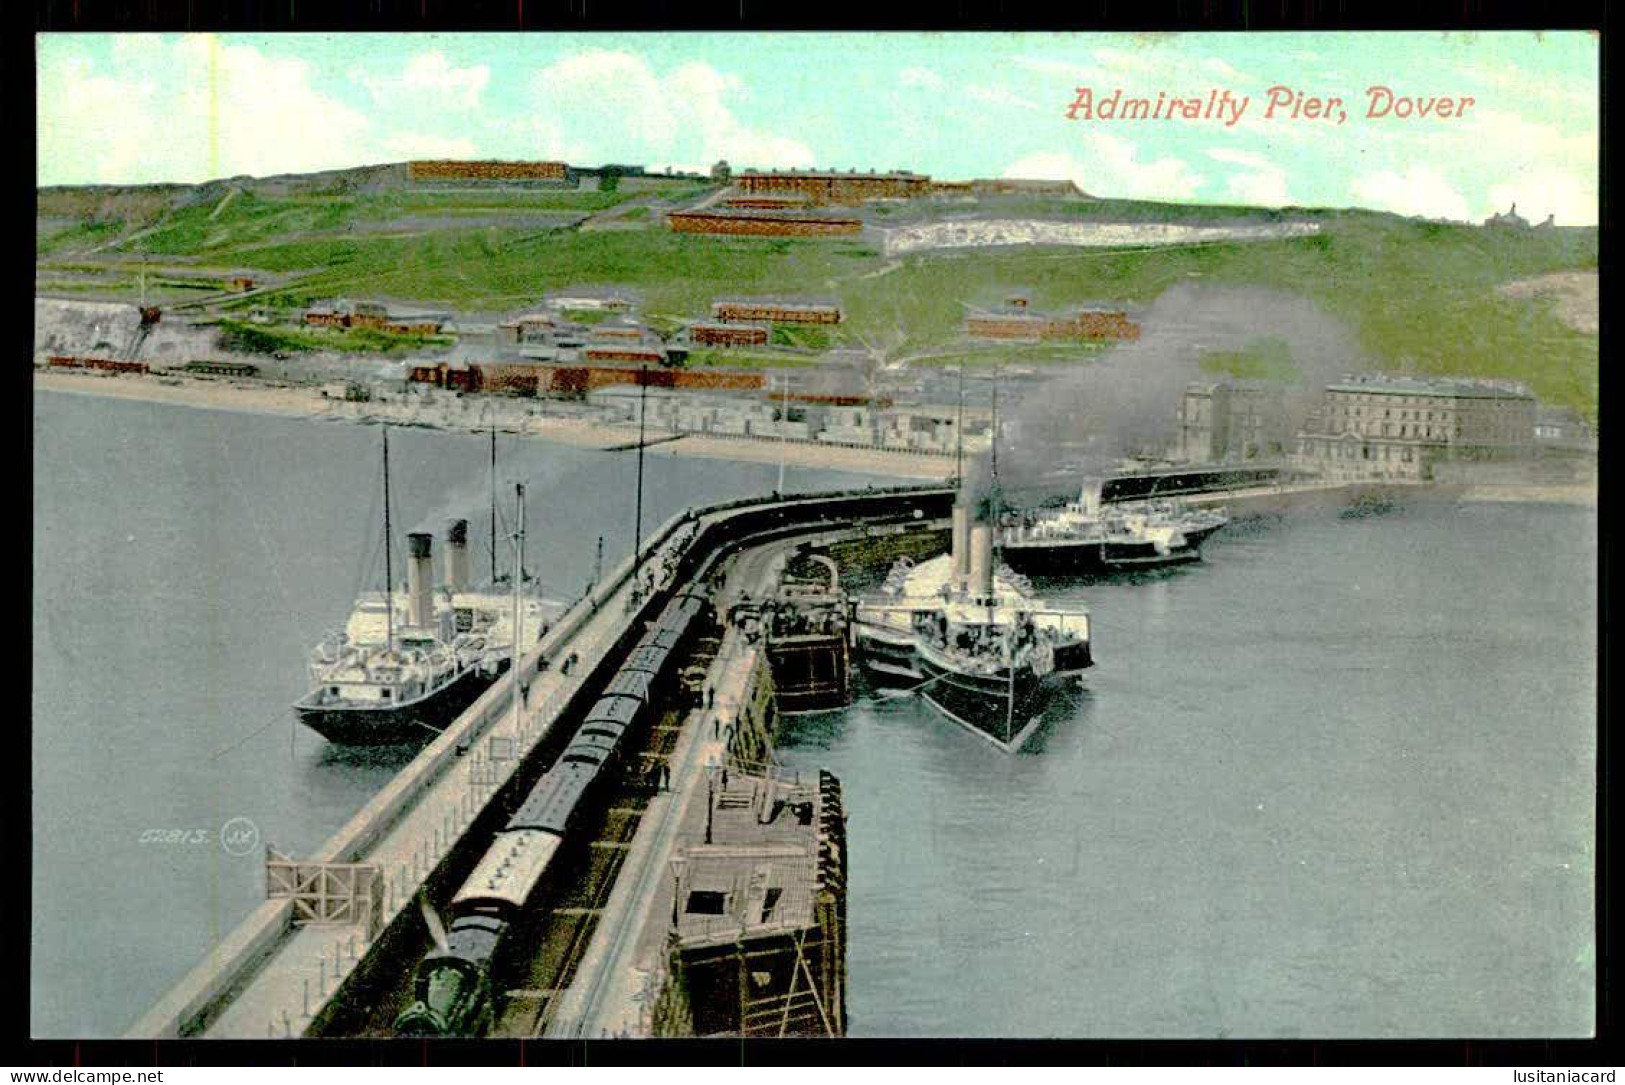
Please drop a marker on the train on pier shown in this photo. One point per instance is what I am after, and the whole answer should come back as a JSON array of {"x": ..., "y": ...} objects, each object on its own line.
[{"x": 453, "y": 991}]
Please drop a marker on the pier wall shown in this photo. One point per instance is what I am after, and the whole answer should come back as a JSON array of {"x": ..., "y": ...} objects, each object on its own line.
[{"x": 199, "y": 998}]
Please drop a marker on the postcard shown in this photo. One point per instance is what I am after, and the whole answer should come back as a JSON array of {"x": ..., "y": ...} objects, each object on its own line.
[{"x": 751, "y": 535}]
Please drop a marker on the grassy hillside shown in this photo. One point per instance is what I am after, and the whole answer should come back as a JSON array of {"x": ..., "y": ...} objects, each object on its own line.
[{"x": 1417, "y": 295}]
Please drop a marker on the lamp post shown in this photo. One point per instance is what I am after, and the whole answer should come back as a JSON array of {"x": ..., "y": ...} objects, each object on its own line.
[{"x": 678, "y": 862}]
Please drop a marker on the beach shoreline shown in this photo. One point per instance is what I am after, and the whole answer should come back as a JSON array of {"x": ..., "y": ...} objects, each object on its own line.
[{"x": 299, "y": 401}]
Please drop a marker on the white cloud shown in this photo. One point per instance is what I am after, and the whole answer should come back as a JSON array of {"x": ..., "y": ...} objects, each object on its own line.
[
  {"x": 919, "y": 77},
  {"x": 1549, "y": 190},
  {"x": 238, "y": 111},
  {"x": 1420, "y": 190},
  {"x": 1521, "y": 86},
  {"x": 1263, "y": 184},
  {"x": 1523, "y": 140},
  {"x": 430, "y": 78},
  {"x": 408, "y": 145},
  {"x": 1224, "y": 71},
  {"x": 1059, "y": 69},
  {"x": 1146, "y": 62},
  {"x": 999, "y": 96},
  {"x": 617, "y": 104},
  {"x": 1111, "y": 167}
]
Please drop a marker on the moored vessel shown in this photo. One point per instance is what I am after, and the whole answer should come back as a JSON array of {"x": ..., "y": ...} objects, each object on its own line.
[
  {"x": 408, "y": 663},
  {"x": 1086, "y": 536},
  {"x": 975, "y": 643}
]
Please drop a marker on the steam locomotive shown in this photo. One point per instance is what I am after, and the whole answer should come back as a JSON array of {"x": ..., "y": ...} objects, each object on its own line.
[{"x": 453, "y": 991}]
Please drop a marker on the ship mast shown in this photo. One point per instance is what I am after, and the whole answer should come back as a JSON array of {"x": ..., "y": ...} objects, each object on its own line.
[
  {"x": 993, "y": 468},
  {"x": 389, "y": 569},
  {"x": 993, "y": 496},
  {"x": 959, "y": 435},
  {"x": 518, "y": 614},
  {"x": 637, "y": 522},
  {"x": 493, "y": 504}
]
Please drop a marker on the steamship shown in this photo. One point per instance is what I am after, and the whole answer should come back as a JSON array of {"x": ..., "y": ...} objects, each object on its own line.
[
  {"x": 976, "y": 643},
  {"x": 407, "y": 664},
  {"x": 1085, "y": 537}
]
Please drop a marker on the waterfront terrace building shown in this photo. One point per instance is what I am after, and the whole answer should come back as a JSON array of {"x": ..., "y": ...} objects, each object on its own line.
[
  {"x": 834, "y": 187},
  {"x": 1381, "y": 426},
  {"x": 1232, "y": 420},
  {"x": 776, "y": 311}
]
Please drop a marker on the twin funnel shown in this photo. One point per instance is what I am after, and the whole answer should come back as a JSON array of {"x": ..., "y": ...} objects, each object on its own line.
[{"x": 420, "y": 570}]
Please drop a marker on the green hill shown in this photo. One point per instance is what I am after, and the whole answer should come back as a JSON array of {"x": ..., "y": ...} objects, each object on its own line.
[{"x": 1419, "y": 295}]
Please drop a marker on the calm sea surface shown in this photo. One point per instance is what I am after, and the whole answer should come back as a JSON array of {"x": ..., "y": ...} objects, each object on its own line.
[{"x": 1337, "y": 780}]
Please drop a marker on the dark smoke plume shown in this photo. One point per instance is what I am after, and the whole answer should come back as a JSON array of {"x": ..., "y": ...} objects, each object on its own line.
[{"x": 1125, "y": 402}]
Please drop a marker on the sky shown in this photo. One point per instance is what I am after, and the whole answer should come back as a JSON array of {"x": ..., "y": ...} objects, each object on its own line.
[{"x": 130, "y": 109}]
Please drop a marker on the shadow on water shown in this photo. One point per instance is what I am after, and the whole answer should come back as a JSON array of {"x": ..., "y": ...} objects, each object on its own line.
[
  {"x": 1071, "y": 708},
  {"x": 1370, "y": 504},
  {"x": 1158, "y": 575},
  {"x": 815, "y": 730},
  {"x": 335, "y": 757}
]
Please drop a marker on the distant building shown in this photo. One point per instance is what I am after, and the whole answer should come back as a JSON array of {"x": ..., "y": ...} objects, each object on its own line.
[
  {"x": 1511, "y": 220},
  {"x": 775, "y": 201},
  {"x": 365, "y": 314},
  {"x": 834, "y": 187},
  {"x": 762, "y": 223},
  {"x": 1016, "y": 321},
  {"x": 723, "y": 333},
  {"x": 1562, "y": 428},
  {"x": 1381, "y": 426},
  {"x": 452, "y": 170},
  {"x": 1016, "y": 186},
  {"x": 777, "y": 311},
  {"x": 623, "y": 340},
  {"x": 343, "y": 313},
  {"x": 1227, "y": 420},
  {"x": 592, "y": 299}
]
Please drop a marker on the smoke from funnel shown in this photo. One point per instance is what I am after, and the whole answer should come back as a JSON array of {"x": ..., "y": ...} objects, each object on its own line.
[{"x": 1125, "y": 401}]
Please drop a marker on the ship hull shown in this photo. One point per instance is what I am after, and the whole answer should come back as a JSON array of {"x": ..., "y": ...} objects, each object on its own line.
[
  {"x": 415, "y": 722},
  {"x": 993, "y": 706},
  {"x": 888, "y": 660},
  {"x": 1064, "y": 556}
]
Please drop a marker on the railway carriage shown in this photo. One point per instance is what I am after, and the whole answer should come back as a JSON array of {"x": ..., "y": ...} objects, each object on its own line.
[{"x": 453, "y": 994}]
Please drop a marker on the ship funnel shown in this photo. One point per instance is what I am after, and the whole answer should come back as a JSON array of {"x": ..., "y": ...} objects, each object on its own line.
[
  {"x": 981, "y": 561},
  {"x": 419, "y": 579},
  {"x": 457, "y": 555},
  {"x": 1089, "y": 499},
  {"x": 960, "y": 547}
]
